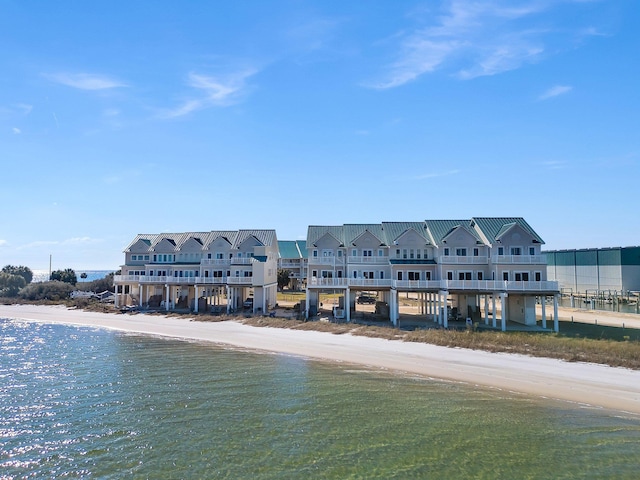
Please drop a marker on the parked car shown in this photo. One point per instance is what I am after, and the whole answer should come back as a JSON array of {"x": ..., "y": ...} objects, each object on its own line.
[
  {"x": 248, "y": 303},
  {"x": 366, "y": 299}
]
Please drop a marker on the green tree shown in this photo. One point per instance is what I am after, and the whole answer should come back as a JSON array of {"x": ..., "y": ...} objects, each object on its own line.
[
  {"x": 99, "y": 285},
  {"x": 83, "y": 275},
  {"x": 54, "y": 290},
  {"x": 24, "y": 272},
  {"x": 67, "y": 276},
  {"x": 284, "y": 277},
  {"x": 11, "y": 284}
]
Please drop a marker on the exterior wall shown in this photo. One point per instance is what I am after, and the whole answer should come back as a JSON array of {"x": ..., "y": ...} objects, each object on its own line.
[
  {"x": 522, "y": 309},
  {"x": 615, "y": 269}
]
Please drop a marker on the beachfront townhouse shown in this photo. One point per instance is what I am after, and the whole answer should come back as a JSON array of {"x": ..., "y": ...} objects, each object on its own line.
[
  {"x": 293, "y": 258},
  {"x": 454, "y": 268},
  {"x": 201, "y": 271}
]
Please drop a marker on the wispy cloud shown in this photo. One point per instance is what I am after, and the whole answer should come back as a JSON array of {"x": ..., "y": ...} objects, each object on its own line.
[
  {"x": 24, "y": 108},
  {"x": 436, "y": 175},
  {"x": 212, "y": 91},
  {"x": 16, "y": 131},
  {"x": 3, "y": 243},
  {"x": 74, "y": 241},
  {"x": 85, "y": 81},
  {"x": 555, "y": 91},
  {"x": 554, "y": 165},
  {"x": 470, "y": 39}
]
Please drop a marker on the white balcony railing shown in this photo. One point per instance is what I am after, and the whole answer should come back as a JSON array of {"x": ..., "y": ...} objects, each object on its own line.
[
  {"x": 243, "y": 260},
  {"x": 544, "y": 286},
  {"x": 368, "y": 260},
  {"x": 463, "y": 260},
  {"x": 418, "y": 284},
  {"x": 520, "y": 259},
  {"x": 240, "y": 280},
  {"x": 327, "y": 282},
  {"x": 215, "y": 261},
  {"x": 326, "y": 261},
  {"x": 370, "y": 282}
]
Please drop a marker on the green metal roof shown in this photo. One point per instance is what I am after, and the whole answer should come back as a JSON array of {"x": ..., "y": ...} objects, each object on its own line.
[
  {"x": 439, "y": 229},
  {"x": 493, "y": 227},
  {"x": 394, "y": 230},
  {"x": 288, "y": 249}
]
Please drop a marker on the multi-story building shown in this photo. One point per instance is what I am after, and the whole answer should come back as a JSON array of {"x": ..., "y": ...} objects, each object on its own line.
[
  {"x": 463, "y": 265},
  {"x": 199, "y": 270},
  {"x": 593, "y": 270},
  {"x": 293, "y": 258}
]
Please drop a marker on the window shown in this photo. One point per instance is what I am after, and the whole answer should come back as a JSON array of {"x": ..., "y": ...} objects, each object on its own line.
[
  {"x": 479, "y": 275},
  {"x": 367, "y": 253},
  {"x": 464, "y": 275},
  {"x": 414, "y": 275},
  {"x": 449, "y": 275},
  {"x": 538, "y": 276},
  {"x": 314, "y": 273},
  {"x": 446, "y": 252},
  {"x": 404, "y": 253},
  {"x": 476, "y": 252},
  {"x": 219, "y": 256},
  {"x": 397, "y": 253},
  {"x": 340, "y": 253},
  {"x": 381, "y": 275},
  {"x": 339, "y": 273},
  {"x": 505, "y": 276},
  {"x": 427, "y": 275},
  {"x": 532, "y": 251},
  {"x": 315, "y": 253},
  {"x": 500, "y": 250},
  {"x": 354, "y": 253},
  {"x": 327, "y": 274},
  {"x": 380, "y": 253},
  {"x": 516, "y": 251},
  {"x": 411, "y": 254},
  {"x": 522, "y": 276},
  {"x": 461, "y": 252},
  {"x": 399, "y": 275}
]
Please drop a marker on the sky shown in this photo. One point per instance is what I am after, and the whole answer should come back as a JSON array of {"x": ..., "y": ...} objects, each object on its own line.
[{"x": 119, "y": 118}]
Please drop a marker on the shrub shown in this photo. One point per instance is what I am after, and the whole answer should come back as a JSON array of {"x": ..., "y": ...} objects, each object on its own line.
[{"x": 54, "y": 290}]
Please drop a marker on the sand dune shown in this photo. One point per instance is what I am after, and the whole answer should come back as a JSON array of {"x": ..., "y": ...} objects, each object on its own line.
[{"x": 589, "y": 384}]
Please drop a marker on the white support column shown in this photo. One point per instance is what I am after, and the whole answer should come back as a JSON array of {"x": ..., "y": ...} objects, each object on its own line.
[
  {"x": 195, "y": 307},
  {"x": 434, "y": 309},
  {"x": 495, "y": 312},
  {"x": 544, "y": 311},
  {"x": 115, "y": 297},
  {"x": 556, "y": 326},
  {"x": 393, "y": 307},
  {"x": 306, "y": 304},
  {"x": 264, "y": 299},
  {"x": 445, "y": 309},
  {"x": 347, "y": 305},
  {"x": 228, "y": 299},
  {"x": 166, "y": 302},
  {"x": 486, "y": 309},
  {"x": 503, "y": 310},
  {"x": 140, "y": 287}
]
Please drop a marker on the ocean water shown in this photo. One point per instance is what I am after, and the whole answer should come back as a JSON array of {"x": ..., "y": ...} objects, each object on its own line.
[
  {"x": 43, "y": 275},
  {"x": 86, "y": 403}
]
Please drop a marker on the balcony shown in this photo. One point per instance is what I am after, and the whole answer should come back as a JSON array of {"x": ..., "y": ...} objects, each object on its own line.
[
  {"x": 544, "y": 286},
  {"x": 463, "y": 260},
  {"x": 240, "y": 280},
  {"x": 418, "y": 284},
  {"x": 242, "y": 260},
  {"x": 368, "y": 260},
  {"x": 215, "y": 261},
  {"x": 327, "y": 282},
  {"x": 326, "y": 261},
  {"x": 520, "y": 259},
  {"x": 370, "y": 282}
]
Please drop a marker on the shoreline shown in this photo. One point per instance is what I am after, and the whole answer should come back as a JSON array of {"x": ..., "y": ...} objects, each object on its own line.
[{"x": 586, "y": 384}]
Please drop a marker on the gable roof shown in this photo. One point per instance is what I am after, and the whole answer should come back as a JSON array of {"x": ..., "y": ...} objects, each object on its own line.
[
  {"x": 316, "y": 232},
  {"x": 493, "y": 227},
  {"x": 288, "y": 249},
  {"x": 394, "y": 230},
  {"x": 353, "y": 231},
  {"x": 440, "y": 229}
]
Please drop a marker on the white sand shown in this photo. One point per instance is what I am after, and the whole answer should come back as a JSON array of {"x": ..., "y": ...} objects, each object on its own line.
[{"x": 588, "y": 384}]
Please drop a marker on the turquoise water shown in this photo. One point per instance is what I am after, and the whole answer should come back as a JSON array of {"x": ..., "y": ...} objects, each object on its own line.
[{"x": 80, "y": 402}]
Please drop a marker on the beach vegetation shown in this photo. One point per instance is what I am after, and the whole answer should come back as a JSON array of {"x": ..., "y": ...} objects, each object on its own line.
[
  {"x": 54, "y": 290},
  {"x": 99, "y": 285},
  {"x": 10, "y": 284},
  {"x": 67, "y": 275},
  {"x": 284, "y": 279},
  {"x": 24, "y": 272}
]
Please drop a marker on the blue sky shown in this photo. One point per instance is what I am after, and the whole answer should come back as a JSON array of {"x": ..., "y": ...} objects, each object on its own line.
[{"x": 119, "y": 118}]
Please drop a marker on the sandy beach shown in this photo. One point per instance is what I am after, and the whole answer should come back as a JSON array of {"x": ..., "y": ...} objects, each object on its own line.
[{"x": 580, "y": 383}]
